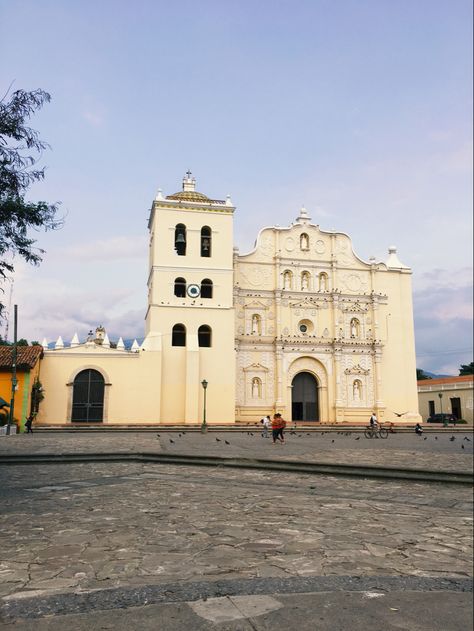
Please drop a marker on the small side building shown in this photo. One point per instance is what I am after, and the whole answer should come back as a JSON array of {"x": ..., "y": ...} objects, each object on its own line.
[
  {"x": 456, "y": 397},
  {"x": 28, "y": 370}
]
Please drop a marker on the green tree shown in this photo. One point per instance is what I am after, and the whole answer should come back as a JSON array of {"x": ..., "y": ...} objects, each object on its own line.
[
  {"x": 466, "y": 369},
  {"x": 20, "y": 149},
  {"x": 420, "y": 375}
]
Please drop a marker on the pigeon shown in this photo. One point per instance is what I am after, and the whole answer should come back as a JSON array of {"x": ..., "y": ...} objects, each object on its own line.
[
  {"x": 425, "y": 438},
  {"x": 332, "y": 441},
  {"x": 466, "y": 438},
  {"x": 397, "y": 414},
  {"x": 436, "y": 438},
  {"x": 227, "y": 442},
  {"x": 218, "y": 440},
  {"x": 452, "y": 438},
  {"x": 179, "y": 435},
  {"x": 462, "y": 446},
  {"x": 159, "y": 435},
  {"x": 171, "y": 441},
  {"x": 358, "y": 438}
]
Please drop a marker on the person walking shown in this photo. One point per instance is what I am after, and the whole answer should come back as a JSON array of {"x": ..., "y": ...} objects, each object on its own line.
[
  {"x": 278, "y": 425},
  {"x": 265, "y": 426},
  {"x": 28, "y": 424}
]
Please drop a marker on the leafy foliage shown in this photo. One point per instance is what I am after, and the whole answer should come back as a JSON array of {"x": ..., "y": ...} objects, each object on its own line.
[
  {"x": 20, "y": 149},
  {"x": 466, "y": 369},
  {"x": 420, "y": 375}
]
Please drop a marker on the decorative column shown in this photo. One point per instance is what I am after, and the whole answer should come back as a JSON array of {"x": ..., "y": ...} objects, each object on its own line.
[{"x": 378, "y": 395}]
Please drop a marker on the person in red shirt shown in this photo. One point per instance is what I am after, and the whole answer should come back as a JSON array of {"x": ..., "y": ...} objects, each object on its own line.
[{"x": 278, "y": 425}]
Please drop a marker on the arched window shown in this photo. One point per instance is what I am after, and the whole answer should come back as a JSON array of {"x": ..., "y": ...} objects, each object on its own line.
[
  {"x": 178, "y": 337},
  {"x": 88, "y": 397},
  {"x": 206, "y": 241},
  {"x": 355, "y": 327},
  {"x": 287, "y": 280},
  {"x": 206, "y": 288},
  {"x": 304, "y": 241},
  {"x": 205, "y": 336},
  {"x": 180, "y": 287},
  {"x": 256, "y": 388},
  {"x": 180, "y": 239},
  {"x": 305, "y": 279},
  {"x": 323, "y": 281},
  {"x": 256, "y": 324}
]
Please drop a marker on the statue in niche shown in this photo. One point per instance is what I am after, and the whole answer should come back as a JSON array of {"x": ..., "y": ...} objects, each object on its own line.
[
  {"x": 341, "y": 333},
  {"x": 323, "y": 282},
  {"x": 354, "y": 327},
  {"x": 255, "y": 388},
  {"x": 304, "y": 281},
  {"x": 304, "y": 243},
  {"x": 357, "y": 390},
  {"x": 255, "y": 324},
  {"x": 287, "y": 280}
]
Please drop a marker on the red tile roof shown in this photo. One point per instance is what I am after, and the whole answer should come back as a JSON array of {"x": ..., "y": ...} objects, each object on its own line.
[
  {"x": 26, "y": 357},
  {"x": 441, "y": 380}
]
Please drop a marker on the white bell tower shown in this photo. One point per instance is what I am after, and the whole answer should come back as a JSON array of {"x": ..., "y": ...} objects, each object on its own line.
[{"x": 190, "y": 304}]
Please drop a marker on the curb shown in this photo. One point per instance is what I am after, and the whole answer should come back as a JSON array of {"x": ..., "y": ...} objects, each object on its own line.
[{"x": 312, "y": 468}]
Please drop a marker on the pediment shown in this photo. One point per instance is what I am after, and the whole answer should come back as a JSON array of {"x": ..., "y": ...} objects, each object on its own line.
[
  {"x": 356, "y": 370},
  {"x": 255, "y": 304},
  {"x": 255, "y": 367}
]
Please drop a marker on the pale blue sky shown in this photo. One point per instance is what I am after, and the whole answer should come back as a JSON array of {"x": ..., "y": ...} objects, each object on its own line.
[{"x": 361, "y": 110}]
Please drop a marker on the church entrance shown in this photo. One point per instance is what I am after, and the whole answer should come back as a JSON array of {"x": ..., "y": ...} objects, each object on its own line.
[
  {"x": 304, "y": 398},
  {"x": 88, "y": 397}
]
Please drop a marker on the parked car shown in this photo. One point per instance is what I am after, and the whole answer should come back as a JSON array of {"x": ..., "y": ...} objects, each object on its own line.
[{"x": 442, "y": 418}]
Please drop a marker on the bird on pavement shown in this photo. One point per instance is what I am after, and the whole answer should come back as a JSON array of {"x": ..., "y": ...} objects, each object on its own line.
[
  {"x": 466, "y": 438},
  {"x": 436, "y": 438},
  {"x": 358, "y": 438},
  {"x": 332, "y": 441},
  {"x": 462, "y": 446},
  {"x": 425, "y": 438},
  {"x": 218, "y": 440},
  {"x": 171, "y": 441},
  {"x": 452, "y": 438},
  {"x": 159, "y": 436},
  {"x": 227, "y": 442}
]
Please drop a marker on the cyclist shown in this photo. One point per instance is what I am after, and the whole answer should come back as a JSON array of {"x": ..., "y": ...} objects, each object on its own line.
[{"x": 373, "y": 421}]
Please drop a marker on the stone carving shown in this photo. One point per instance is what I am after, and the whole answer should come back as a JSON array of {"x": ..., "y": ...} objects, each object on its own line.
[
  {"x": 289, "y": 244},
  {"x": 320, "y": 247},
  {"x": 356, "y": 370}
]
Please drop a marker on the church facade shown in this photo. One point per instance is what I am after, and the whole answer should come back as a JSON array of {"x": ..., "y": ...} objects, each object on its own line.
[{"x": 300, "y": 325}]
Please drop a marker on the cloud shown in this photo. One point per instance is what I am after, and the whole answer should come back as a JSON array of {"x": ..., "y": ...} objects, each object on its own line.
[
  {"x": 444, "y": 320},
  {"x": 111, "y": 249},
  {"x": 93, "y": 118}
]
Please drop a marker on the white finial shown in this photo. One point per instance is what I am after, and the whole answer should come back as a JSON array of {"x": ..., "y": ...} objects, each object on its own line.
[
  {"x": 75, "y": 341},
  {"x": 189, "y": 182},
  {"x": 59, "y": 343},
  {"x": 228, "y": 201},
  {"x": 303, "y": 217},
  {"x": 120, "y": 345},
  {"x": 393, "y": 260},
  {"x": 106, "y": 341},
  {"x": 44, "y": 344},
  {"x": 372, "y": 260},
  {"x": 135, "y": 348},
  {"x": 159, "y": 195}
]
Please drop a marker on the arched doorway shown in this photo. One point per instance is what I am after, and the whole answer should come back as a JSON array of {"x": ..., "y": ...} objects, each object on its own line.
[
  {"x": 88, "y": 397},
  {"x": 304, "y": 398}
]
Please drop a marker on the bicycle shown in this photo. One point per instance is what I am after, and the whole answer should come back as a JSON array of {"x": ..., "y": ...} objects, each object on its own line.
[{"x": 375, "y": 432}]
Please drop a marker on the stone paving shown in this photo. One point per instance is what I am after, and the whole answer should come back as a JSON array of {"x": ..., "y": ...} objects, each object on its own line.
[
  {"x": 79, "y": 529},
  {"x": 94, "y": 525},
  {"x": 401, "y": 449}
]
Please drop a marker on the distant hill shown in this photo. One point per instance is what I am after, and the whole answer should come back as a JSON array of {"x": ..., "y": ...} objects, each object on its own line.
[{"x": 435, "y": 376}]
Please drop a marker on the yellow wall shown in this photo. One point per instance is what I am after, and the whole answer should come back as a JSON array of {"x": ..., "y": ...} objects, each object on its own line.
[{"x": 23, "y": 393}]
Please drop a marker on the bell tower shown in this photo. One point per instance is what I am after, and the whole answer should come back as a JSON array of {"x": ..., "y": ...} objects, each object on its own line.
[{"x": 190, "y": 315}]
